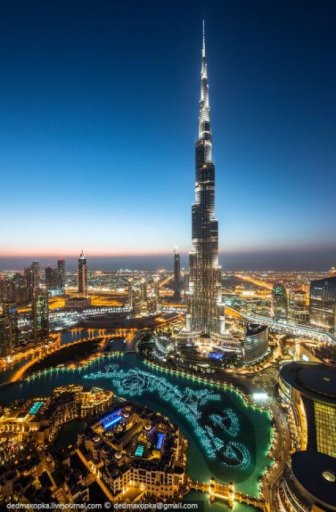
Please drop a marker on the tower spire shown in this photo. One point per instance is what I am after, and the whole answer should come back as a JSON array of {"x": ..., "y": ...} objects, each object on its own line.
[
  {"x": 204, "y": 65},
  {"x": 204, "y": 131},
  {"x": 203, "y": 46}
]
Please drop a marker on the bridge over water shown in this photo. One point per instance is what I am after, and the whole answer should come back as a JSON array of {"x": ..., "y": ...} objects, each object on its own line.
[{"x": 227, "y": 493}]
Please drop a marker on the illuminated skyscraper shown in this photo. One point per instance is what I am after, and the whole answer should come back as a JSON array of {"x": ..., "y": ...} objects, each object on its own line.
[
  {"x": 61, "y": 275},
  {"x": 143, "y": 289},
  {"x": 40, "y": 312},
  {"x": 177, "y": 276},
  {"x": 32, "y": 276},
  {"x": 51, "y": 279},
  {"x": 9, "y": 331},
  {"x": 255, "y": 343},
  {"x": 82, "y": 275},
  {"x": 323, "y": 303},
  {"x": 36, "y": 274},
  {"x": 205, "y": 312},
  {"x": 20, "y": 294},
  {"x": 156, "y": 288},
  {"x": 279, "y": 302}
]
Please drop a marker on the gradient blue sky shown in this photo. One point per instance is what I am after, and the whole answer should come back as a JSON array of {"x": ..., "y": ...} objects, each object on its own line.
[{"x": 98, "y": 119}]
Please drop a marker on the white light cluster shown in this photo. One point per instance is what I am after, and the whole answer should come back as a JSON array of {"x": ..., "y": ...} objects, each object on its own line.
[
  {"x": 260, "y": 397},
  {"x": 190, "y": 403}
]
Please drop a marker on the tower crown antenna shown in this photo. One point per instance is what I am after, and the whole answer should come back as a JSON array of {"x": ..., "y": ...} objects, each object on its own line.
[{"x": 203, "y": 45}]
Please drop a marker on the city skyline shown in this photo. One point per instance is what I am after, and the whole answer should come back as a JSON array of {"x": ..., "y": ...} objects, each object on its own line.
[
  {"x": 150, "y": 358},
  {"x": 271, "y": 206},
  {"x": 295, "y": 260}
]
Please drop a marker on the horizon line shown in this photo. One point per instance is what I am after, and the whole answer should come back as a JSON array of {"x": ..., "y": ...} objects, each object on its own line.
[{"x": 158, "y": 253}]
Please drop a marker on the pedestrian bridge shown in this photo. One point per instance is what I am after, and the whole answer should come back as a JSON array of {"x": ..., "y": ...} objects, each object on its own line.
[{"x": 227, "y": 493}]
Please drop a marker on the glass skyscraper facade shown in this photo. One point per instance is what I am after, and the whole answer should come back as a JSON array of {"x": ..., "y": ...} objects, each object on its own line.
[
  {"x": 51, "y": 279},
  {"x": 82, "y": 275},
  {"x": 32, "y": 277},
  {"x": 9, "y": 328},
  {"x": 205, "y": 312},
  {"x": 279, "y": 302},
  {"x": 255, "y": 344},
  {"x": 40, "y": 312},
  {"x": 61, "y": 274},
  {"x": 322, "y": 306},
  {"x": 177, "y": 276}
]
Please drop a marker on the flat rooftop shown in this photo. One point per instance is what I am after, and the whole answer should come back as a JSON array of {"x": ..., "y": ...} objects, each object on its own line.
[
  {"x": 316, "y": 381},
  {"x": 316, "y": 472}
]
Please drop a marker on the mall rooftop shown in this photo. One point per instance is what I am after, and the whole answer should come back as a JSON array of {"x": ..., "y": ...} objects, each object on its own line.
[{"x": 314, "y": 381}]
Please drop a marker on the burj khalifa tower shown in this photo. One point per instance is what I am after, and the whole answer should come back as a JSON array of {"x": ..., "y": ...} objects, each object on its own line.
[{"x": 205, "y": 310}]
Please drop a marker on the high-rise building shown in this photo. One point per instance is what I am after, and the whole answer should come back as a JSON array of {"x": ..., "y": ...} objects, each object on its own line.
[
  {"x": 36, "y": 274},
  {"x": 14, "y": 289},
  {"x": 138, "y": 300},
  {"x": 323, "y": 303},
  {"x": 9, "y": 331},
  {"x": 51, "y": 280},
  {"x": 61, "y": 274},
  {"x": 7, "y": 291},
  {"x": 28, "y": 282},
  {"x": 279, "y": 302},
  {"x": 32, "y": 276},
  {"x": 156, "y": 290},
  {"x": 185, "y": 284},
  {"x": 297, "y": 309},
  {"x": 143, "y": 296},
  {"x": 205, "y": 311},
  {"x": 143, "y": 289},
  {"x": 300, "y": 299},
  {"x": 177, "y": 277},
  {"x": 130, "y": 293},
  {"x": 297, "y": 298},
  {"x": 20, "y": 289},
  {"x": 40, "y": 313},
  {"x": 82, "y": 275},
  {"x": 255, "y": 344}
]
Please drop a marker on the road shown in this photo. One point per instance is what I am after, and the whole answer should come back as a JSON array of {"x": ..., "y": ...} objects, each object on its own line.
[
  {"x": 285, "y": 327},
  {"x": 280, "y": 454},
  {"x": 257, "y": 282}
]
